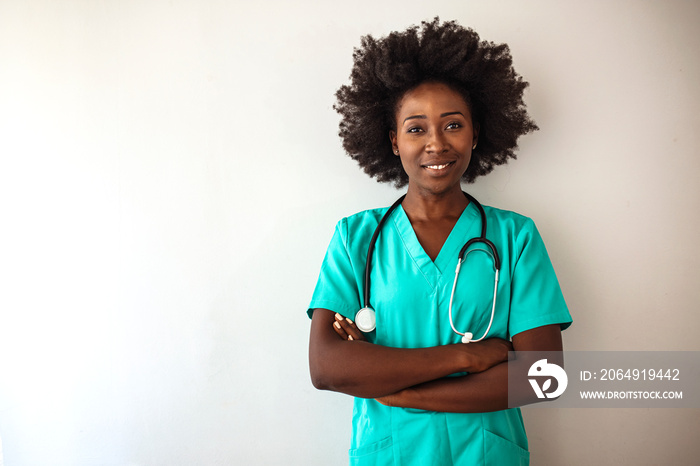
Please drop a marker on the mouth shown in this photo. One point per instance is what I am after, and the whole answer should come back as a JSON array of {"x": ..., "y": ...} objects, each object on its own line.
[{"x": 438, "y": 167}]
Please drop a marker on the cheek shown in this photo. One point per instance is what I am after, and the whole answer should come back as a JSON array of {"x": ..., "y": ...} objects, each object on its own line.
[
  {"x": 405, "y": 165},
  {"x": 407, "y": 150}
]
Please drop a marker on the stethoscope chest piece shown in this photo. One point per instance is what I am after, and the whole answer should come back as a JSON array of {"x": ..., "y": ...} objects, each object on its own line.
[{"x": 365, "y": 320}]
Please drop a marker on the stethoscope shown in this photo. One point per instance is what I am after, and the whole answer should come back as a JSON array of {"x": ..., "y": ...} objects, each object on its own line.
[{"x": 365, "y": 318}]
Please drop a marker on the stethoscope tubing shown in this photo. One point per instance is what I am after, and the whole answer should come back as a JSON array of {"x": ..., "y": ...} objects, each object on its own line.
[
  {"x": 466, "y": 336},
  {"x": 370, "y": 249},
  {"x": 467, "y": 339}
]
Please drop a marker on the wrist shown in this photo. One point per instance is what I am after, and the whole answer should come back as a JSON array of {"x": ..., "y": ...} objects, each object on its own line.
[
  {"x": 467, "y": 359},
  {"x": 405, "y": 398}
]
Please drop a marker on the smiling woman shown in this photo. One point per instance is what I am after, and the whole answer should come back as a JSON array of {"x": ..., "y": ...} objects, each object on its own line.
[
  {"x": 430, "y": 109},
  {"x": 434, "y": 138},
  {"x": 386, "y": 69}
]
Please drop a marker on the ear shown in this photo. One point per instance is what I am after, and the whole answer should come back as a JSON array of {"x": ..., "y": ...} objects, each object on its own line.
[
  {"x": 475, "y": 129},
  {"x": 394, "y": 143}
]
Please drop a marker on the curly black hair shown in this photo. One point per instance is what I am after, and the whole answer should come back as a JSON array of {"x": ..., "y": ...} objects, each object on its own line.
[{"x": 385, "y": 69}]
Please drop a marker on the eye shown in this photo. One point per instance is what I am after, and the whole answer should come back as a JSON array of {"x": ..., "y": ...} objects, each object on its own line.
[
  {"x": 453, "y": 125},
  {"x": 414, "y": 129}
]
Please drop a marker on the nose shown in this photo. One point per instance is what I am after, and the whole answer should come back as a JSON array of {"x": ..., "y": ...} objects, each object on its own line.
[{"x": 436, "y": 142}]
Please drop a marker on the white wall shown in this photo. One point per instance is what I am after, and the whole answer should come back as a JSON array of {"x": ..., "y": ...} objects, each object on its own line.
[{"x": 170, "y": 176}]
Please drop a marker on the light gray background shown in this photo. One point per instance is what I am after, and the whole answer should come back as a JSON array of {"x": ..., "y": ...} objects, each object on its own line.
[{"x": 170, "y": 177}]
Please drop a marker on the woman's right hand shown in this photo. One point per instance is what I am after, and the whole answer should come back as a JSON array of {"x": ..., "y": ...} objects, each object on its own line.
[{"x": 485, "y": 354}]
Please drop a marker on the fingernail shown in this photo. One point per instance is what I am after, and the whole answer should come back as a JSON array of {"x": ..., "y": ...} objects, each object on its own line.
[
  {"x": 338, "y": 316},
  {"x": 349, "y": 321},
  {"x": 350, "y": 337},
  {"x": 336, "y": 325}
]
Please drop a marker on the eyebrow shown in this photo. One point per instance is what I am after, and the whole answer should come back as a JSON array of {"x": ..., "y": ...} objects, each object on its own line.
[{"x": 423, "y": 117}]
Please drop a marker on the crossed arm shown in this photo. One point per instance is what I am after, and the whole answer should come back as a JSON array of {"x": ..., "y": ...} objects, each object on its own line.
[{"x": 341, "y": 360}]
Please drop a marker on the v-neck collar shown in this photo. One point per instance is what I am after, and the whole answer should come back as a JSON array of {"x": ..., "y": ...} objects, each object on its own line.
[{"x": 446, "y": 258}]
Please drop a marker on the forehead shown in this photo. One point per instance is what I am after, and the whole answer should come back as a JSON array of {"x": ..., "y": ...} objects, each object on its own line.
[{"x": 432, "y": 97}]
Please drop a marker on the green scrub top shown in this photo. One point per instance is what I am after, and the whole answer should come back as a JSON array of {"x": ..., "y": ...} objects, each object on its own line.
[{"x": 410, "y": 294}]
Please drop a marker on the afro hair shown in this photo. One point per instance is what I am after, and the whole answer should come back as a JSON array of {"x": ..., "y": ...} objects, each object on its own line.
[{"x": 385, "y": 69}]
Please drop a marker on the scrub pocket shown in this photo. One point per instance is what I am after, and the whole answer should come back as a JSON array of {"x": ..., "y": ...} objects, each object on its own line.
[
  {"x": 378, "y": 453},
  {"x": 501, "y": 452}
]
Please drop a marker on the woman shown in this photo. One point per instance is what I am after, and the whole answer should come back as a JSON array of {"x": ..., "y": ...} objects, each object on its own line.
[{"x": 429, "y": 108}]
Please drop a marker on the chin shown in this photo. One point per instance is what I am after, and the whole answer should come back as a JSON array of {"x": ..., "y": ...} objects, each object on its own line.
[{"x": 441, "y": 189}]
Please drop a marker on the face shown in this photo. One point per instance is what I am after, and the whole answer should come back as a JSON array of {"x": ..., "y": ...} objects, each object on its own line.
[{"x": 434, "y": 137}]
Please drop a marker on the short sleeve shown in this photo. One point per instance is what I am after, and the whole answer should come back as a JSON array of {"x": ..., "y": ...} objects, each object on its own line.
[
  {"x": 536, "y": 298},
  {"x": 337, "y": 286}
]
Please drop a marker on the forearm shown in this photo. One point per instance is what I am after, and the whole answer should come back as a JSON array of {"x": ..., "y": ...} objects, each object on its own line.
[
  {"x": 366, "y": 370},
  {"x": 369, "y": 371},
  {"x": 488, "y": 390},
  {"x": 474, "y": 393}
]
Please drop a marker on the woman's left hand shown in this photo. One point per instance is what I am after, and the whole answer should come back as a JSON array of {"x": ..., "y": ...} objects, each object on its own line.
[{"x": 346, "y": 329}]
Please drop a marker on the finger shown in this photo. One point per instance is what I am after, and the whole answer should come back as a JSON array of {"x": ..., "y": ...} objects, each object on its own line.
[
  {"x": 341, "y": 327},
  {"x": 354, "y": 331},
  {"x": 340, "y": 330},
  {"x": 387, "y": 400},
  {"x": 349, "y": 327}
]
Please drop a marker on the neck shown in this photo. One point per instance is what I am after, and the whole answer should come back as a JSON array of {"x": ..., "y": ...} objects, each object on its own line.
[{"x": 430, "y": 206}]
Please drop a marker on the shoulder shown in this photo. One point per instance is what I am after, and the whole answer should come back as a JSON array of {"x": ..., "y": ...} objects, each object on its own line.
[
  {"x": 516, "y": 234},
  {"x": 508, "y": 220},
  {"x": 359, "y": 227},
  {"x": 511, "y": 230},
  {"x": 365, "y": 220}
]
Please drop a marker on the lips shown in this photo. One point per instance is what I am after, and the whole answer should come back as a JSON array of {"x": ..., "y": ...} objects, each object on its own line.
[{"x": 438, "y": 166}]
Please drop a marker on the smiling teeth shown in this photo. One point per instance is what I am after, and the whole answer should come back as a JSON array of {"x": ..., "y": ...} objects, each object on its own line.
[{"x": 437, "y": 167}]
